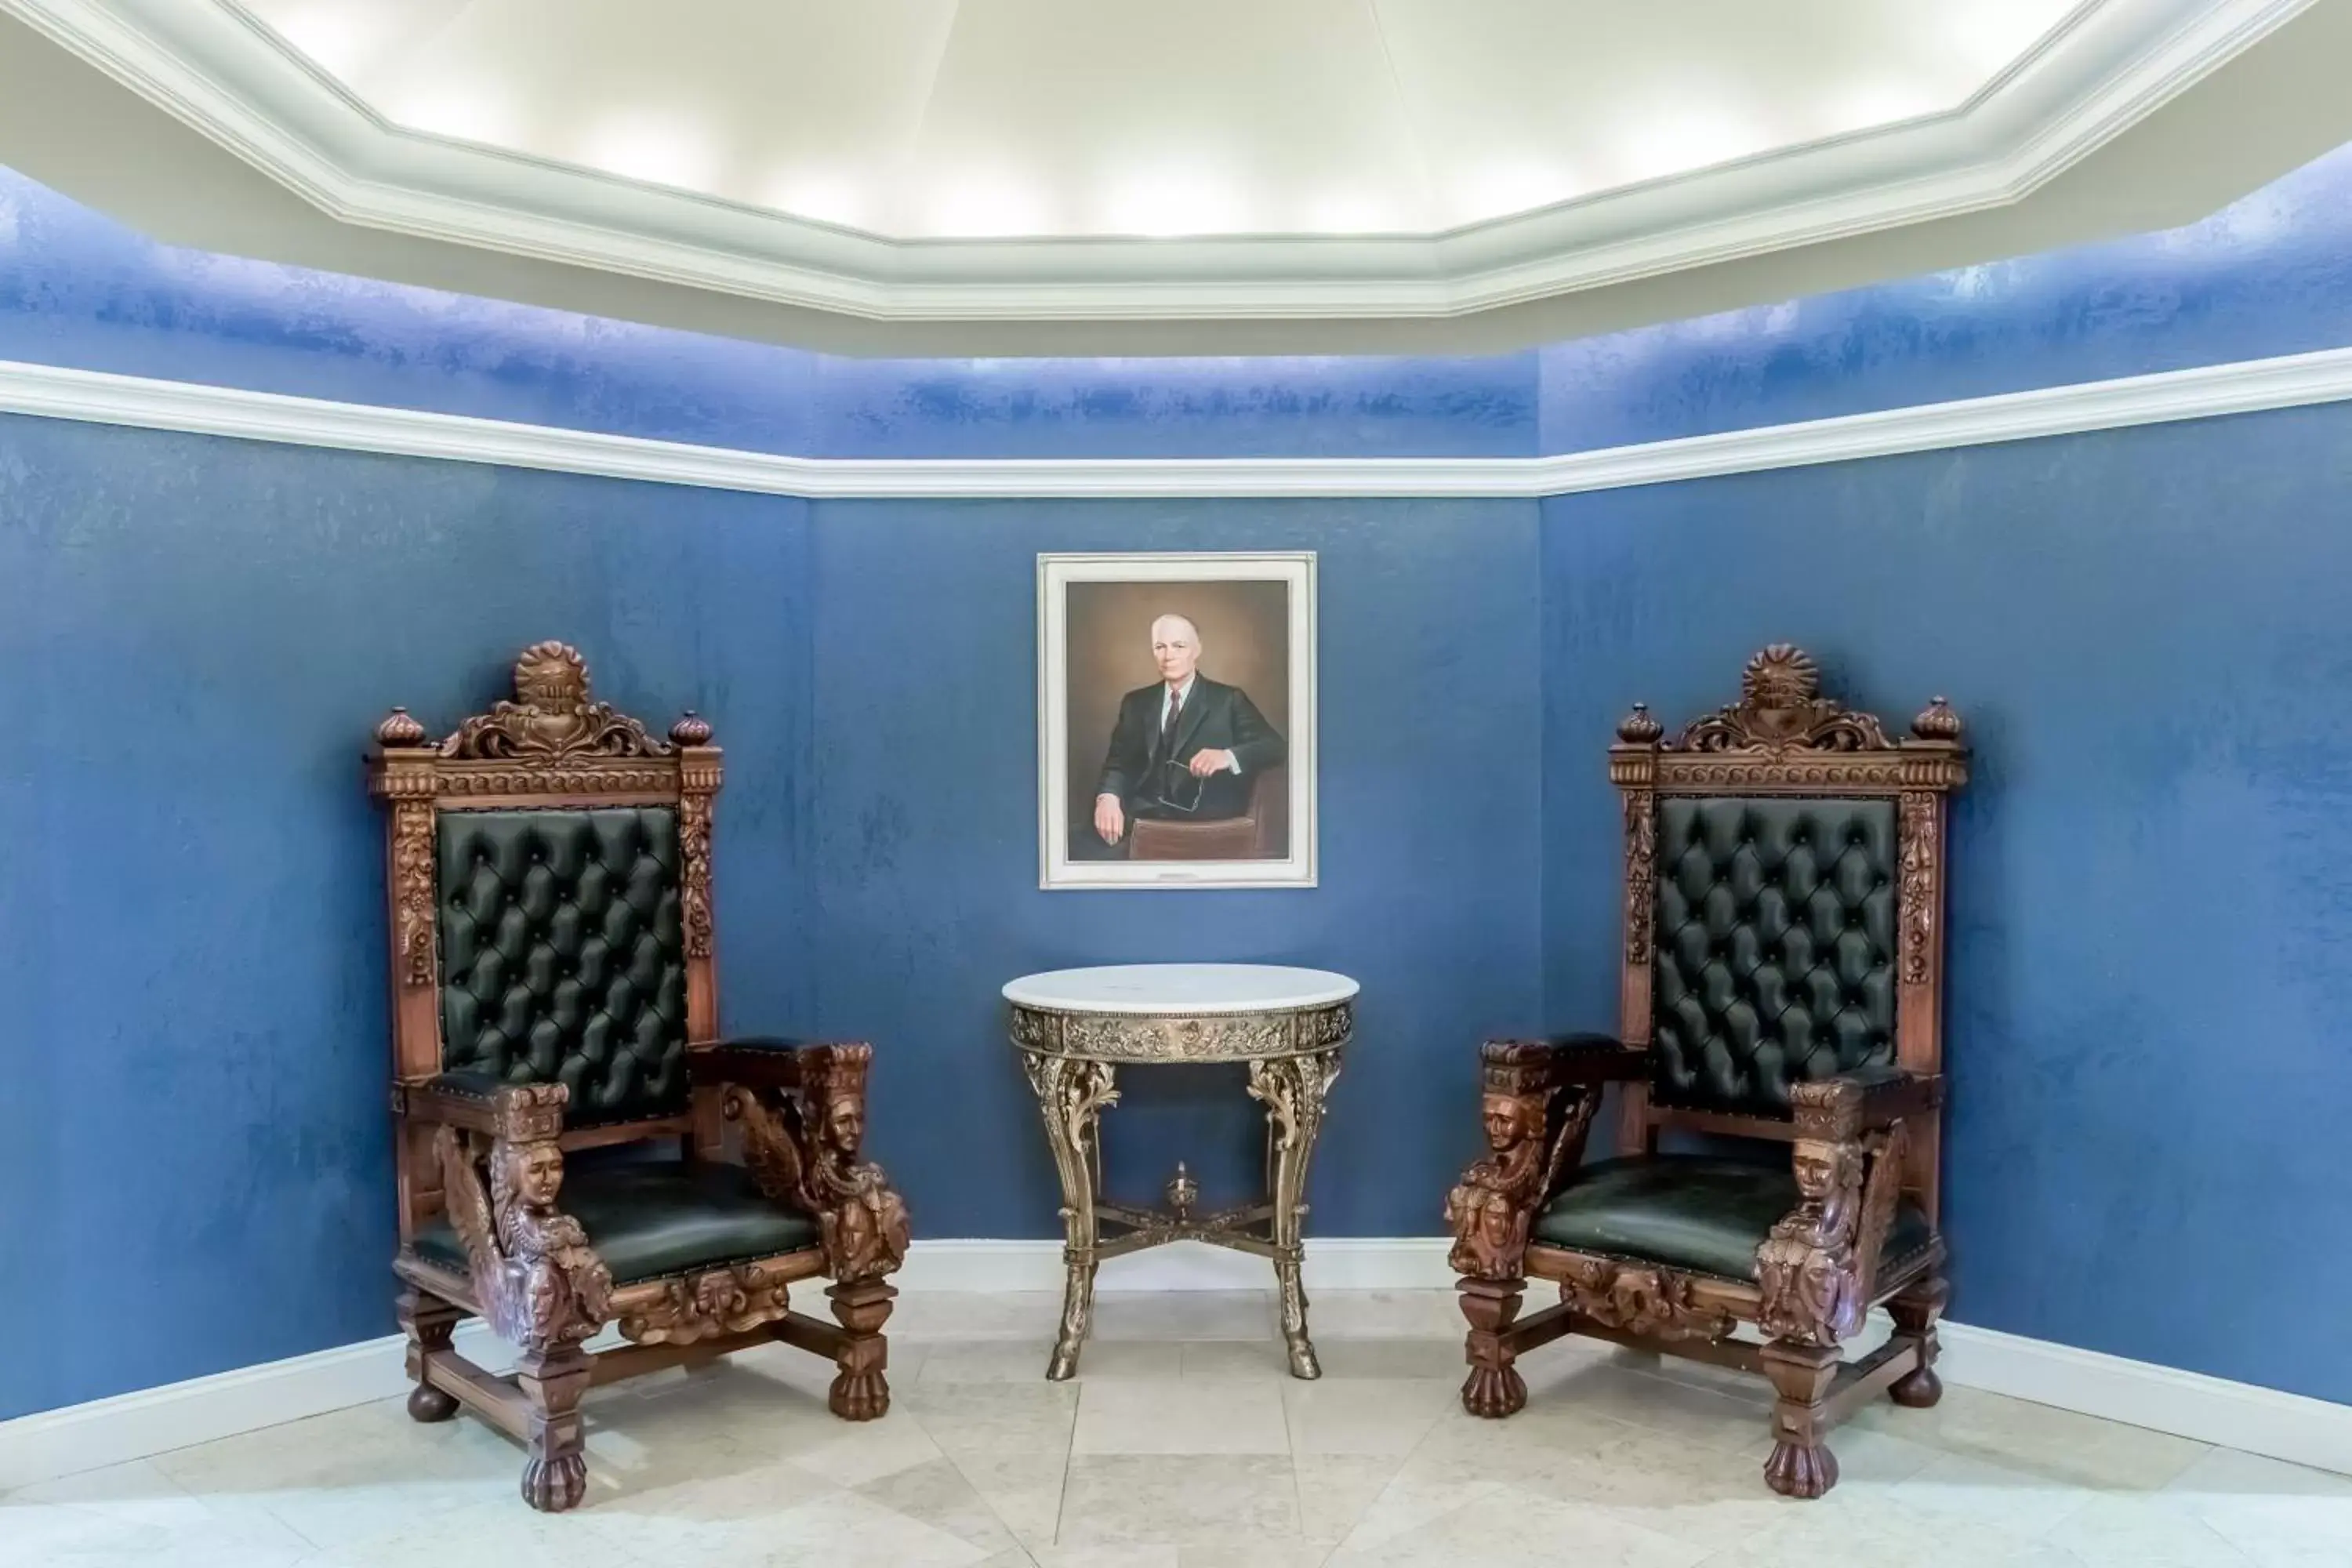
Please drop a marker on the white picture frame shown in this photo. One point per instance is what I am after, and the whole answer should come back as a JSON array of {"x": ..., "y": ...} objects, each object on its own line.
[{"x": 1231, "y": 596}]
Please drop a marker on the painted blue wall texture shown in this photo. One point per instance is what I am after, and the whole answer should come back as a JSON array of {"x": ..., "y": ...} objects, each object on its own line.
[
  {"x": 197, "y": 634},
  {"x": 2271, "y": 274},
  {"x": 2151, "y": 917},
  {"x": 78, "y": 289}
]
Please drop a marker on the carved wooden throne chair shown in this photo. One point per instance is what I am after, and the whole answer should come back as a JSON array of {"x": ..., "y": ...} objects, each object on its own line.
[
  {"x": 555, "y": 995},
  {"x": 1784, "y": 960}
]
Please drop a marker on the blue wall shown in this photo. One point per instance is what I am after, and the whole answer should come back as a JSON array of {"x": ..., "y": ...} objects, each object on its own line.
[
  {"x": 2151, "y": 920},
  {"x": 2271, "y": 274},
  {"x": 197, "y": 637}
]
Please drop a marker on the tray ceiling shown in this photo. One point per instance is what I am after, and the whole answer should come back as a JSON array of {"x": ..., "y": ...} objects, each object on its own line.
[{"x": 1118, "y": 161}]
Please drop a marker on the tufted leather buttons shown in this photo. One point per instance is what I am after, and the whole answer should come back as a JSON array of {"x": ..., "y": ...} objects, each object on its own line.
[
  {"x": 1787, "y": 879},
  {"x": 593, "y": 886}
]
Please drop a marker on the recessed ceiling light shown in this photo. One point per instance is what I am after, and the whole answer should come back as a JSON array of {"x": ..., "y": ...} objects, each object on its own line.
[
  {"x": 1694, "y": 136},
  {"x": 656, "y": 148},
  {"x": 1350, "y": 212},
  {"x": 1499, "y": 189},
  {"x": 823, "y": 199},
  {"x": 986, "y": 206},
  {"x": 342, "y": 36},
  {"x": 1168, "y": 203},
  {"x": 467, "y": 111}
]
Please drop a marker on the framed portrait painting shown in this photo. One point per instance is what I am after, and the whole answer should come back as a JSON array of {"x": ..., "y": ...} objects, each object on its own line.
[{"x": 1176, "y": 720}]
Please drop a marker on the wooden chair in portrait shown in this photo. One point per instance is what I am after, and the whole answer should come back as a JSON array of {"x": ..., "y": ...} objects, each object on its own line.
[
  {"x": 575, "y": 1145},
  {"x": 1259, "y": 834},
  {"x": 1782, "y": 997}
]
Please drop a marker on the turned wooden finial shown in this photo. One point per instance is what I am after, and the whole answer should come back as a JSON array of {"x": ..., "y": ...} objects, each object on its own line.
[
  {"x": 1936, "y": 721},
  {"x": 399, "y": 729},
  {"x": 691, "y": 731},
  {"x": 1637, "y": 727}
]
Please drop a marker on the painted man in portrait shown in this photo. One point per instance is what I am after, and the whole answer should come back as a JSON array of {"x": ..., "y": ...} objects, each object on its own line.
[{"x": 1185, "y": 747}]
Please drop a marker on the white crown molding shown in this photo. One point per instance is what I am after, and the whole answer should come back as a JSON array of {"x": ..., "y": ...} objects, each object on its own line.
[
  {"x": 2244, "y": 386},
  {"x": 2290, "y": 1427},
  {"x": 207, "y": 63}
]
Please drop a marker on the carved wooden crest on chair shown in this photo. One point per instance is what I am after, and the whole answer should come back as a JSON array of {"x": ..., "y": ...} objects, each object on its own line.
[
  {"x": 555, "y": 994},
  {"x": 1782, "y": 974}
]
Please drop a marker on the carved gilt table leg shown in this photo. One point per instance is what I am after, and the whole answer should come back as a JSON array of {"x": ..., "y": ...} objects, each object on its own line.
[
  {"x": 1293, "y": 1089},
  {"x": 1071, "y": 1095}
]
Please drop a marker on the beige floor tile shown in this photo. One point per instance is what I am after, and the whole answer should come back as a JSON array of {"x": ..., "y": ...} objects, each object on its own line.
[
  {"x": 1021, "y": 1361},
  {"x": 939, "y": 1494},
  {"x": 1172, "y": 1416},
  {"x": 2059, "y": 1444},
  {"x": 1183, "y": 1315},
  {"x": 1156, "y": 1556},
  {"x": 2277, "y": 1514},
  {"x": 1390, "y": 1358},
  {"x": 722, "y": 1515},
  {"x": 134, "y": 1513},
  {"x": 1413, "y": 1498},
  {"x": 1259, "y": 1359},
  {"x": 2128, "y": 1531},
  {"x": 922, "y": 1316},
  {"x": 1675, "y": 1409},
  {"x": 1852, "y": 1527},
  {"x": 1180, "y": 1500},
  {"x": 1336, "y": 1491},
  {"x": 1258, "y": 1554},
  {"x": 1960, "y": 1486},
  {"x": 1508, "y": 1530},
  {"x": 1364, "y": 1415},
  {"x": 1384, "y": 1314}
]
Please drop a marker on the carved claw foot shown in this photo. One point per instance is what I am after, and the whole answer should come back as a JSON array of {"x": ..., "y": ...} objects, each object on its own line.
[
  {"x": 1801, "y": 1471},
  {"x": 426, "y": 1403},
  {"x": 1492, "y": 1393},
  {"x": 860, "y": 1396},
  {"x": 555, "y": 1485},
  {"x": 1917, "y": 1390}
]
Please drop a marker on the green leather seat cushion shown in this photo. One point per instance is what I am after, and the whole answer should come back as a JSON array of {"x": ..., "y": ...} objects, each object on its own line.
[
  {"x": 1689, "y": 1211},
  {"x": 649, "y": 1218}
]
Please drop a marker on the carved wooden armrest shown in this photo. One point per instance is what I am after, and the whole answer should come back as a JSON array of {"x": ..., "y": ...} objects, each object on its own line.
[
  {"x": 1573, "y": 1060},
  {"x": 759, "y": 1062},
  {"x": 802, "y": 1108},
  {"x": 537, "y": 1280},
  {"x": 1817, "y": 1269},
  {"x": 1537, "y": 1101},
  {"x": 477, "y": 1102}
]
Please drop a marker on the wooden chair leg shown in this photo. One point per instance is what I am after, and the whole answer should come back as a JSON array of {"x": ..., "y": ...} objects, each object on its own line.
[
  {"x": 1494, "y": 1388},
  {"x": 555, "y": 1477},
  {"x": 1914, "y": 1312},
  {"x": 1802, "y": 1464},
  {"x": 860, "y": 1390},
  {"x": 429, "y": 1321}
]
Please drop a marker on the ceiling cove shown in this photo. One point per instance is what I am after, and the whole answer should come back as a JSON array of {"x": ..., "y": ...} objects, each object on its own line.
[{"x": 1229, "y": 175}]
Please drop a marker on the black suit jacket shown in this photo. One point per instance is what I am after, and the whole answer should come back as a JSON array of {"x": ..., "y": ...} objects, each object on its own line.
[{"x": 1215, "y": 717}]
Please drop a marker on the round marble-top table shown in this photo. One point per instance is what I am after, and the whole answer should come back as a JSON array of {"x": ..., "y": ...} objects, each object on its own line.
[{"x": 1074, "y": 1027}]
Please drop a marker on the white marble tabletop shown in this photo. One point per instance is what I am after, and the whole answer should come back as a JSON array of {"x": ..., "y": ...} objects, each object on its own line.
[{"x": 1180, "y": 988}]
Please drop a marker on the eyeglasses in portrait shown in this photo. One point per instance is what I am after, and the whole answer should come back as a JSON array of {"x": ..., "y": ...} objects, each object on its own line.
[{"x": 1176, "y": 721}]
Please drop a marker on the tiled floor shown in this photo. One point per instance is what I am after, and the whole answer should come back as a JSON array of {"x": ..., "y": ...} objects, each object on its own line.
[{"x": 1184, "y": 1444}]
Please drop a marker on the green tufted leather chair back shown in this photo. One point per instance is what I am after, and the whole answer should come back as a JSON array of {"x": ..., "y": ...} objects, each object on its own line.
[
  {"x": 563, "y": 954},
  {"x": 1775, "y": 922}
]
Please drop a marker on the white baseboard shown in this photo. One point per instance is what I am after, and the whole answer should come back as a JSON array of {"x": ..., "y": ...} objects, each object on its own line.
[
  {"x": 127, "y": 1426},
  {"x": 2268, "y": 1421}
]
